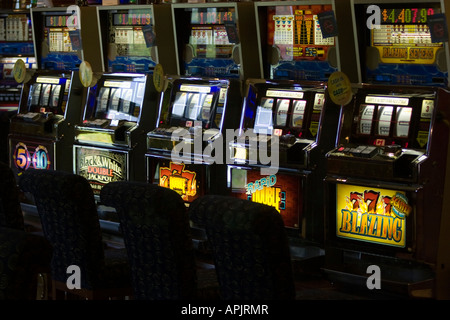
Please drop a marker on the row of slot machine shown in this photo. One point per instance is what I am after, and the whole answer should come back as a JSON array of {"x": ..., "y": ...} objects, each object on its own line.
[{"x": 234, "y": 98}]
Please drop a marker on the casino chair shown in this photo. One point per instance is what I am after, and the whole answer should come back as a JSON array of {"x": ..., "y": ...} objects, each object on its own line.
[
  {"x": 68, "y": 213},
  {"x": 249, "y": 246},
  {"x": 158, "y": 239},
  {"x": 10, "y": 210},
  {"x": 23, "y": 256}
]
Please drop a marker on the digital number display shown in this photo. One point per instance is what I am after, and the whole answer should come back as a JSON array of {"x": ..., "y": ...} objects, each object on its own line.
[
  {"x": 407, "y": 15},
  {"x": 57, "y": 21},
  {"x": 132, "y": 19},
  {"x": 212, "y": 15}
]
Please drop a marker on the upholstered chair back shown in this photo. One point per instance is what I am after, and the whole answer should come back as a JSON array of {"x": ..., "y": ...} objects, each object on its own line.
[
  {"x": 10, "y": 210},
  {"x": 157, "y": 236},
  {"x": 249, "y": 245}
]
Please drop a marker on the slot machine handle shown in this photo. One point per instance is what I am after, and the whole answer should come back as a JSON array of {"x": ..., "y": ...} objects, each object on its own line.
[
  {"x": 112, "y": 51},
  {"x": 441, "y": 60},
  {"x": 236, "y": 54},
  {"x": 153, "y": 53},
  {"x": 275, "y": 55},
  {"x": 372, "y": 58},
  {"x": 44, "y": 49},
  {"x": 189, "y": 53},
  {"x": 332, "y": 57}
]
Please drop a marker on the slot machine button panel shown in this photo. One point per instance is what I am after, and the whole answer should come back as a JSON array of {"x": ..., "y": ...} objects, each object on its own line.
[
  {"x": 31, "y": 116},
  {"x": 369, "y": 152}
]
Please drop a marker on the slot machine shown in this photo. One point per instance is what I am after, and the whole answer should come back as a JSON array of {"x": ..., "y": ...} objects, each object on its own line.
[
  {"x": 110, "y": 140},
  {"x": 289, "y": 112},
  {"x": 216, "y": 40},
  {"x": 395, "y": 45},
  {"x": 186, "y": 150},
  {"x": 202, "y": 98},
  {"x": 42, "y": 131},
  {"x": 278, "y": 158},
  {"x": 135, "y": 38},
  {"x": 385, "y": 186},
  {"x": 385, "y": 191},
  {"x": 16, "y": 43},
  {"x": 122, "y": 105}
]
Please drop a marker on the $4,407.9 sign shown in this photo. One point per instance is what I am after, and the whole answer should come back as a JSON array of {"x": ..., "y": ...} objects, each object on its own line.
[{"x": 30, "y": 155}]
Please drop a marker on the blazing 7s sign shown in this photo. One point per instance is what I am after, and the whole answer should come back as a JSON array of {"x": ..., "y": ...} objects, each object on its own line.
[{"x": 372, "y": 215}]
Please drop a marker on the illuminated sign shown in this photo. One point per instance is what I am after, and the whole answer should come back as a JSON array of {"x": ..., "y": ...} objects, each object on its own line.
[
  {"x": 21, "y": 156},
  {"x": 406, "y": 15},
  {"x": 57, "y": 21},
  {"x": 212, "y": 16},
  {"x": 47, "y": 80},
  {"x": 297, "y": 32},
  {"x": 264, "y": 191},
  {"x": 404, "y": 36},
  {"x": 387, "y": 100},
  {"x": 117, "y": 84},
  {"x": 26, "y": 155},
  {"x": 422, "y": 55},
  {"x": 281, "y": 191},
  {"x": 41, "y": 159},
  {"x": 191, "y": 88},
  {"x": 284, "y": 94},
  {"x": 132, "y": 19},
  {"x": 372, "y": 215},
  {"x": 101, "y": 166},
  {"x": 176, "y": 178}
]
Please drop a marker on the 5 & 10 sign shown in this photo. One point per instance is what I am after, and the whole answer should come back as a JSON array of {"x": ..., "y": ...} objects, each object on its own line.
[{"x": 24, "y": 157}]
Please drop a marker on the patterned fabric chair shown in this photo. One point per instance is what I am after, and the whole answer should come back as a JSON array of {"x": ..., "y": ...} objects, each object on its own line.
[
  {"x": 249, "y": 245},
  {"x": 22, "y": 257},
  {"x": 67, "y": 208},
  {"x": 157, "y": 236},
  {"x": 10, "y": 211}
]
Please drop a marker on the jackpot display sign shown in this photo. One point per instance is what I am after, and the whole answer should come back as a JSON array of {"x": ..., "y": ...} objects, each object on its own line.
[
  {"x": 404, "y": 46},
  {"x": 404, "y": 35},
  {"x": 372, "y": 214},
  {"x": 101, "y": 166}
]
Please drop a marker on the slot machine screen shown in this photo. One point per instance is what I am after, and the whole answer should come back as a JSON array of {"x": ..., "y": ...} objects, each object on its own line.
[
  {"x": 115, "y": 100},
  {"x": 130, "y": 38},
  {"x": 264, "y": 119},
  {"x": 195, "y": 104},
  {"x": 48, "y": 94},
  {"x": 283, "y": 111},
  {"x": 296, "y": 47},
  {"x": 383, "y": 120},
  {"x": 401, "y": 50}
]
